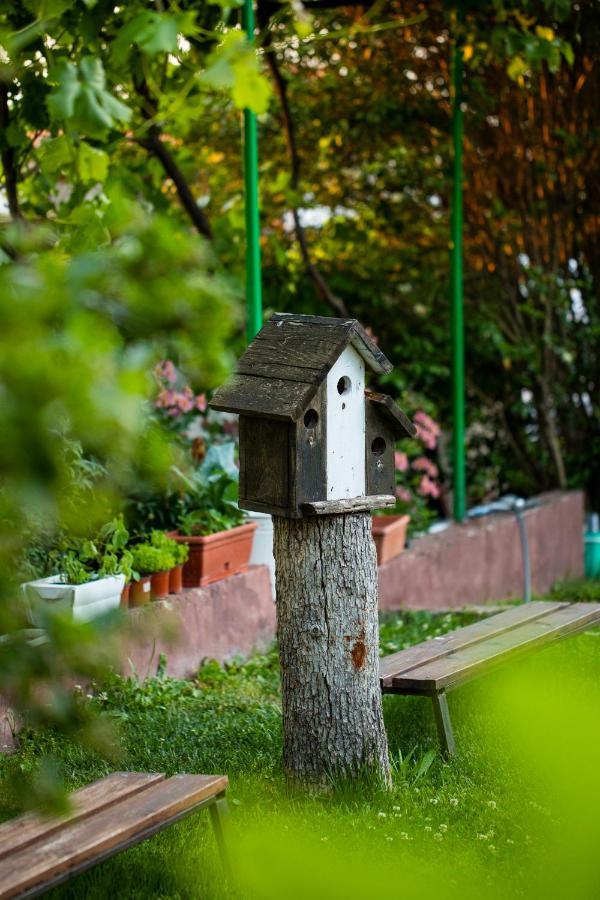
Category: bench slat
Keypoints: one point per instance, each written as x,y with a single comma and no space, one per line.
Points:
465,663
105,832
393,666
24,830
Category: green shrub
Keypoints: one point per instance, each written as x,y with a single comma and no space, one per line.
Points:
148,559
182,553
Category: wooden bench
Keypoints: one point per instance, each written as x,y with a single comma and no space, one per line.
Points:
439,665
108,816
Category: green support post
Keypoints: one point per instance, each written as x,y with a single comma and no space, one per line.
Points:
456,281
253,279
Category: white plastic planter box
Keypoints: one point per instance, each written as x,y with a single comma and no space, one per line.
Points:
262,546
87,601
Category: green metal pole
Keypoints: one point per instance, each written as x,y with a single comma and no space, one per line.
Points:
456,276
253,280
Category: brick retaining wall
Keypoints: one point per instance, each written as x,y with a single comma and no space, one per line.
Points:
480,561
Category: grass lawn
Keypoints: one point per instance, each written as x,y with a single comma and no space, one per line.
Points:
517,813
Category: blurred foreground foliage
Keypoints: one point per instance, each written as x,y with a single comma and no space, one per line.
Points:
80,334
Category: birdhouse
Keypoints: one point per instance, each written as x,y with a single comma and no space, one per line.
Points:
313,440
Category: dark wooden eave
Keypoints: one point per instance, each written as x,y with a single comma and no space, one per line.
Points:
288,360
398,420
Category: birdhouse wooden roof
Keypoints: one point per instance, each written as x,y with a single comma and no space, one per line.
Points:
282,369
391,412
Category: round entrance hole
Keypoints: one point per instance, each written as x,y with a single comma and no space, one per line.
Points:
378,446
311,417
344,385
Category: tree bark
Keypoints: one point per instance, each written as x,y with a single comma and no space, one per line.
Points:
327,627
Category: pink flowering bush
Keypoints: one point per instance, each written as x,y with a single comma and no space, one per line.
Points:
185,413
418,488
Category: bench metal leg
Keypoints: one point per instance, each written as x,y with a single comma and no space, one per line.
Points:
443,723
219,814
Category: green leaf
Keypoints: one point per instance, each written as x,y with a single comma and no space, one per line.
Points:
92,163
54,153
227,4
152,32
517,68
233,66
82,99
61,102
250,89
567,52
47,9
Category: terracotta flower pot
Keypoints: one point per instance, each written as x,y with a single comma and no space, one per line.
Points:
125,595
215,556
139,595
159,582
176,580
389,534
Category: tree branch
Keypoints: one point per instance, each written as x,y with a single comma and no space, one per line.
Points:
336,303
154,145
9,162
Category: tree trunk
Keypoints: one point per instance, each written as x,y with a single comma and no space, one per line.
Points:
327,628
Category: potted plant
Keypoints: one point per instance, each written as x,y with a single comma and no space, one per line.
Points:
179,552
116,558
213,526
182,553
120,564
389,534
79,585
153,564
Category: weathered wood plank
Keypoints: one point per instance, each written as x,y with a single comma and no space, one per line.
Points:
380,469
388,407
279,370
308,466
462,665
353,504
26,829
264,461
105,831
271,399
336,333
397,663
297,349
368,349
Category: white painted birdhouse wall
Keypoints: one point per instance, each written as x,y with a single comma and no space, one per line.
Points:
346,427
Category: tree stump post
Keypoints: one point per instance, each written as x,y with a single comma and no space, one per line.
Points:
317,453
328,633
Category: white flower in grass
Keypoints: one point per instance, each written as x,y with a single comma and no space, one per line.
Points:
381,815
397,808
482,837
404,836
438,836
492,804
443,828
428,828
453,801
434,801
